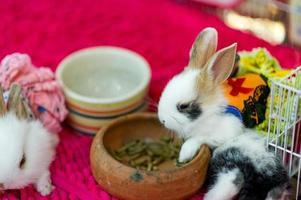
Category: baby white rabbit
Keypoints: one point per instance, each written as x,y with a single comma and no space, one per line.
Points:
26,147
193,105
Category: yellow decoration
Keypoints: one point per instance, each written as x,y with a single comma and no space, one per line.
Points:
239,89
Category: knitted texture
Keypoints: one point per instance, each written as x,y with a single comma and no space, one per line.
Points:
161,31
39,87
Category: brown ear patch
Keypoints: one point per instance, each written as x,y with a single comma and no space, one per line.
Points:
2,103
28,112
206,88
204,82
15,102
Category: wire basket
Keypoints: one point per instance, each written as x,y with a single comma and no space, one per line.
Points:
283,135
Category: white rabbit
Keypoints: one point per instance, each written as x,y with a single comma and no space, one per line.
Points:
193,105
26,147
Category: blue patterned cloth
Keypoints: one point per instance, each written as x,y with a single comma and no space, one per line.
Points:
234,111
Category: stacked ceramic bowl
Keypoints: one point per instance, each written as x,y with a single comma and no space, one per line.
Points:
102,83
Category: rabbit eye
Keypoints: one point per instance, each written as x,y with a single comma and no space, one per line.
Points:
182,107
192,110
22,162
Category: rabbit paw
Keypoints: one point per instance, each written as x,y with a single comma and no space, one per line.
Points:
43,185
188,150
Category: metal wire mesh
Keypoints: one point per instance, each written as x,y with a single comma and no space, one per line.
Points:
285,122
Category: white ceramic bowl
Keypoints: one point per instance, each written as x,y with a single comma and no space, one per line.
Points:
102,83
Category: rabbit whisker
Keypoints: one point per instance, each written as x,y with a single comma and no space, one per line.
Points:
176,120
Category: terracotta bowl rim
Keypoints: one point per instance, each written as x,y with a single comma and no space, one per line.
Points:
147,115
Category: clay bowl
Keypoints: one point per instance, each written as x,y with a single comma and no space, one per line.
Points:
168,182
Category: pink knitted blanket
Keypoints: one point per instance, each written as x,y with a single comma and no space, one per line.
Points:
39,87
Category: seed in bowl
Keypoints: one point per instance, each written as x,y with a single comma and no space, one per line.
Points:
147,155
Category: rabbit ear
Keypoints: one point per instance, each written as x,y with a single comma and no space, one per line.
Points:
13,98
2,103
221,63
15,103
28,112
203,48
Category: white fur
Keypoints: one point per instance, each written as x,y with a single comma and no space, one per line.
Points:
31,138
179,89
212,127
224,188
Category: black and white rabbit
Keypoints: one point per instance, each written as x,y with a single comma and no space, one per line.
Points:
193,105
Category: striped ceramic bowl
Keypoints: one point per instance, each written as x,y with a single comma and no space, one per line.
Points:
102,83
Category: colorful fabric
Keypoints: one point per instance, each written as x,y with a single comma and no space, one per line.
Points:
234,111
38,86
248,94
